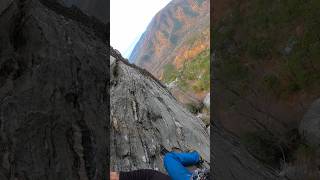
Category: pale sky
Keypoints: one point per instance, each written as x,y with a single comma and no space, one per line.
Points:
129,19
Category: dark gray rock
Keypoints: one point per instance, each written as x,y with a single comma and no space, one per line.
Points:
307,170
231,161
96,8
4,4
310,124
53,95
146,117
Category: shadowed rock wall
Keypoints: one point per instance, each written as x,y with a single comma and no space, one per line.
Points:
53,94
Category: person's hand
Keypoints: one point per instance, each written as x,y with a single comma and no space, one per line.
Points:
114,176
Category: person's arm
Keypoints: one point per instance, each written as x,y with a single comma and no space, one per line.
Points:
114,176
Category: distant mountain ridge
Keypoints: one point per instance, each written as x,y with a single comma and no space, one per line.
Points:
173,32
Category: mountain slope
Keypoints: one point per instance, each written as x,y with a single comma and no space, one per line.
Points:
177,33
175,49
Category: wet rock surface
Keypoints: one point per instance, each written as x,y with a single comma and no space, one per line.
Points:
53,94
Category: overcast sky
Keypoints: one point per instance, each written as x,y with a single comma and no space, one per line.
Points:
129,19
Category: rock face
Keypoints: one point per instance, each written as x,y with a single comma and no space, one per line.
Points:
206,101
53,93
145,117
231,161
96,8
310,125
4,4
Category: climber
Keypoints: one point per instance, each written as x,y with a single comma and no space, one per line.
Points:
174,163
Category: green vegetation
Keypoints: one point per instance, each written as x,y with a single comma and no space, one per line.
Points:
193,39
197,71
193,108
189,12
165,33
263,146
270,48
271,81
306,158
275,150
283,37
169,73
177,25
174,39
199,2
193,75
305,153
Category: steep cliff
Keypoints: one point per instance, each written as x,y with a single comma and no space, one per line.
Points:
153,120
53,91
